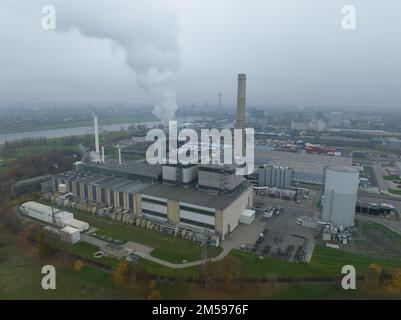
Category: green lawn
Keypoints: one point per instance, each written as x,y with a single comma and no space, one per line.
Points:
325,262
86,250
391,178
395,191
169,248
20,278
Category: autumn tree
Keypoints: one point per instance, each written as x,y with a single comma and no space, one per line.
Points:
386,277
45,248
78,265
374,274
396,281
206,274
154,295
27,234
142,276
125,273
228,274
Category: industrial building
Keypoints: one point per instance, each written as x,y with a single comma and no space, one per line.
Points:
105,191
178,174
30,185
217,203
138,171
192,200
52,216
308,168
340,194
195,209
70,235
274,176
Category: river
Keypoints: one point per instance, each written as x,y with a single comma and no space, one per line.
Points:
64,132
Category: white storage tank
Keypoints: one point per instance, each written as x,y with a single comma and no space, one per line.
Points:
340,194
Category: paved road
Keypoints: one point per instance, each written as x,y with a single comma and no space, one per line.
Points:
102,244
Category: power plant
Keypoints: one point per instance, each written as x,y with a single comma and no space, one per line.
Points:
192,198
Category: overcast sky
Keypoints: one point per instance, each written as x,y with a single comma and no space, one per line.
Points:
293,51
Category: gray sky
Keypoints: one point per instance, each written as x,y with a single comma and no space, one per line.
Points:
293,51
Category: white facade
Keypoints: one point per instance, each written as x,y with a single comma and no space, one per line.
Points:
189,174
247,216
45,213
232,214
70,235
77,224
192,213
340,194
169,173
52,216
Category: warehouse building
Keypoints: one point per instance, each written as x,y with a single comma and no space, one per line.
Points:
308,168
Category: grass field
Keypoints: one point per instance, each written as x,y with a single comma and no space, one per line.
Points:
75,124
325,262
391,178
165,247
20,277
395,191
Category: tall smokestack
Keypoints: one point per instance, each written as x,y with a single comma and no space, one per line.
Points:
102,154
96,129
241,100
119,157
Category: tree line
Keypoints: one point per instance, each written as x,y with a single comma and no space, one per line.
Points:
24,142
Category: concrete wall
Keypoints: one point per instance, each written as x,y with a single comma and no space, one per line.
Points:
231,215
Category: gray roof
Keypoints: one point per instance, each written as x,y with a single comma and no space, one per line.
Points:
191,196
300,162
132,167
116,184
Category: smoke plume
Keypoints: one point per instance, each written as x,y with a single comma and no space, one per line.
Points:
147,31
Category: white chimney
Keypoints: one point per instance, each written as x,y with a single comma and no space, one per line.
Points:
119,156
96,129
102,154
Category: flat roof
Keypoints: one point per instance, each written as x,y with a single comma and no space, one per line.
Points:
130,167
107,182
192,196
301,162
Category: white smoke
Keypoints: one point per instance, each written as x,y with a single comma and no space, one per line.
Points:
147,31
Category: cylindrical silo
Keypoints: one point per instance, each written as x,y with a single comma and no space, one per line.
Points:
340,193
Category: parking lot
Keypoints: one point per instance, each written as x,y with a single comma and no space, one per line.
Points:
278,236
